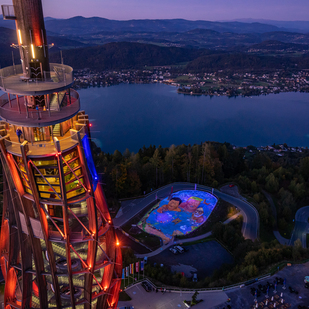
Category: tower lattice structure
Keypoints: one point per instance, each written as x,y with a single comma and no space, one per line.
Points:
58,246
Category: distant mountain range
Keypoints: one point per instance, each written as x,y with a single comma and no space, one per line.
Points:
297,26
196,38
82,25
105,44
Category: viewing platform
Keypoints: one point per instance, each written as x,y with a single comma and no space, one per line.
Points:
12,80
16,110
42,148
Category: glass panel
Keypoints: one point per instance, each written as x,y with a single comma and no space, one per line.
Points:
45,162
28,190
75,193
71,176
49,195
70,156
25,183
47,171
22,167
74,164
51,180
74,184
47,188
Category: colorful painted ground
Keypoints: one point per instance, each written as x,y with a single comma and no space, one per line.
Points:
179,214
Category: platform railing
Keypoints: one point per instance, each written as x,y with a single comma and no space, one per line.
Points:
44,146
19,112
58,74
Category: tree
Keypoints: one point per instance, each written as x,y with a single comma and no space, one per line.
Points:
272,184
156,162
170,160
194,298
304,167
297,250
127,153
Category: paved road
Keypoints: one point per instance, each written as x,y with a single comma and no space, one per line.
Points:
251,217
301,226
133,207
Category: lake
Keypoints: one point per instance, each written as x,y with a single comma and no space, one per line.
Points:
130,116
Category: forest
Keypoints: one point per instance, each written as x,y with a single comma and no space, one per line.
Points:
258,174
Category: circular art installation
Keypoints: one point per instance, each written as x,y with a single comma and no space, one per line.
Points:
179,214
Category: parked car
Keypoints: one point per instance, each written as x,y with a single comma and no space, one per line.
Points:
146,286
173,250
179,249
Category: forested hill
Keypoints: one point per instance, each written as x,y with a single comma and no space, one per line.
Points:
126,55
246,62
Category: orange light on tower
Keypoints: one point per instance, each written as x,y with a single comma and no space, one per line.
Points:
19,37
32,51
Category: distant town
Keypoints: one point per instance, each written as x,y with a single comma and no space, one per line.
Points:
212,84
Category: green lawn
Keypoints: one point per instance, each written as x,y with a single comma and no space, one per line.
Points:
123,296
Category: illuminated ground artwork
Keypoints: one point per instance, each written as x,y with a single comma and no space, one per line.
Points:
179,214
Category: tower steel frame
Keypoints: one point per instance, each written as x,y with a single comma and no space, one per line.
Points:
58,246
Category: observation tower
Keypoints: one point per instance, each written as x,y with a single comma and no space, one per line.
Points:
58,247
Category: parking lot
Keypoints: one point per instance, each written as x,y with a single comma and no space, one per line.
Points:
142,299
202,258
294,275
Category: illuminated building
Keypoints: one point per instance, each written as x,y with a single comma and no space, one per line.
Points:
58,245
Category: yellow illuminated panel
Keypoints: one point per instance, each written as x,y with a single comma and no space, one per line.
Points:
48,188
51,180
45,162
47,172
71,176
75,193
28,190
48,195
70,156
25,184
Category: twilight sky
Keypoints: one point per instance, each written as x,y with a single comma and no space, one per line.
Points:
187,9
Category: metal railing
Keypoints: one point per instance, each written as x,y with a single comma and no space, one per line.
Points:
59,74
19,113
8,11
45,146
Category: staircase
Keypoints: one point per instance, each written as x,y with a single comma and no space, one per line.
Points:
56,130
53,105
